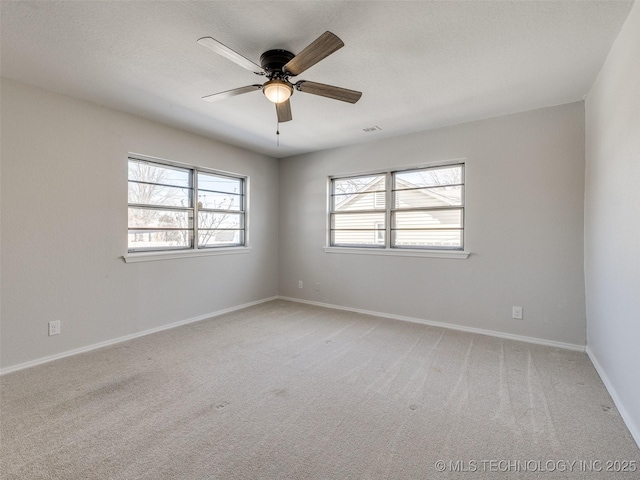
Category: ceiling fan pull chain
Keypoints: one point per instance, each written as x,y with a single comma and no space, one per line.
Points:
278,134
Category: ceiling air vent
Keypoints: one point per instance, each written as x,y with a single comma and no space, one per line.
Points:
371,129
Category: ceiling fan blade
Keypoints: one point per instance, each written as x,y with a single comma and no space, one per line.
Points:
231,93
226,52
329,91
284,111
320,48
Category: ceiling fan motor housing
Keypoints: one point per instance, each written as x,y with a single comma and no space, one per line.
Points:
272,62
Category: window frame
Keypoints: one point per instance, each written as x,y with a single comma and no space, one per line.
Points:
386,248
194,248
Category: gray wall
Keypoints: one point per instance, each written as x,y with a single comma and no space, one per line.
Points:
64,217
524,228
612,221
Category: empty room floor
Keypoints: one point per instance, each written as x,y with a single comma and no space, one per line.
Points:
284,390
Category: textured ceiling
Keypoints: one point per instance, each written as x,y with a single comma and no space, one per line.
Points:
419,64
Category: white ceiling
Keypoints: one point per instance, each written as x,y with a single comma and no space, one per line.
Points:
419,64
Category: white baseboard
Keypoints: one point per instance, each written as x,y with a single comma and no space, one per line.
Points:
451,326
88,348
628,420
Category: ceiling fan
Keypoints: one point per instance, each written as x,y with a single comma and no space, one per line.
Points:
279,66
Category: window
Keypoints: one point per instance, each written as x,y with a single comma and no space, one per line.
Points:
174,207
420,208
358,211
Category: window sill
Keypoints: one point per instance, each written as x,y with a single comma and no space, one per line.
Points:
154,256
400,252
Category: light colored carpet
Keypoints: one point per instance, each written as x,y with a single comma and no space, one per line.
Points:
290,391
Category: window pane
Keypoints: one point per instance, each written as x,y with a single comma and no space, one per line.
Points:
428,197
216,238
429,177
217,183
140,171
146,194
210,220
219,201
360,201
157,218
427,238
428,219
351,185
159,239
368,238
363,229
355,221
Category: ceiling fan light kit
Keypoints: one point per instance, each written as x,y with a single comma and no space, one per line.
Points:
277,91
279,66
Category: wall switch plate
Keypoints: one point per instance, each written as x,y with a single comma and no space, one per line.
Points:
517,313
54,328
299,283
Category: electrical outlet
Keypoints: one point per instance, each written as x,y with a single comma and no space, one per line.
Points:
54,328
299,283
317,287
517,313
